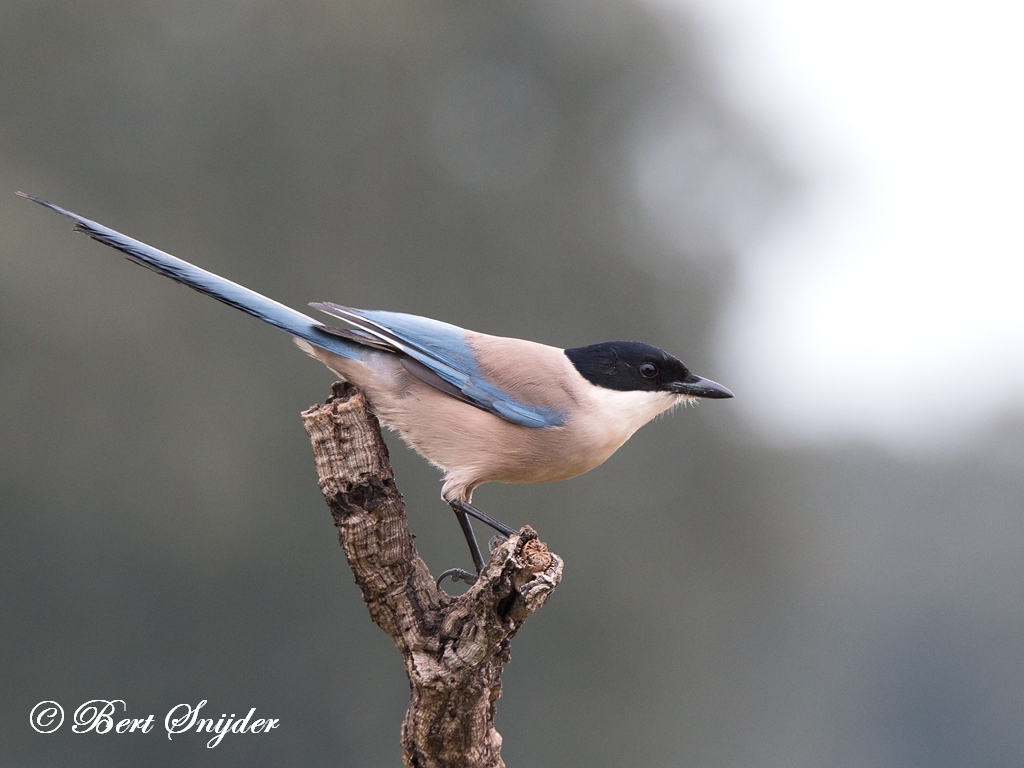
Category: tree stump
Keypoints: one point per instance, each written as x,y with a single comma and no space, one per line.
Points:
453,647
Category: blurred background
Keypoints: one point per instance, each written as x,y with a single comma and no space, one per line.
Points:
817,206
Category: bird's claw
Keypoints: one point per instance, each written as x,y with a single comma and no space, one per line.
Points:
458,574
496,541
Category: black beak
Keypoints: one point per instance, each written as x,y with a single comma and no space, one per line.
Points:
698,386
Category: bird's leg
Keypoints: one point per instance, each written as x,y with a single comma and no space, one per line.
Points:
483,517
462,511
474,550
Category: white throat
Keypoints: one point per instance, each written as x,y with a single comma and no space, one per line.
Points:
623,413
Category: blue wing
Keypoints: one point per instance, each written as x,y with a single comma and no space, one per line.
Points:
442,348
447,360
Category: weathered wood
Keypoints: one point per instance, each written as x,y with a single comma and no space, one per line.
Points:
453,647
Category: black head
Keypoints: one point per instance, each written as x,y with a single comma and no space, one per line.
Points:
629,366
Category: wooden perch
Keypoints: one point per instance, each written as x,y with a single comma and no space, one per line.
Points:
453,647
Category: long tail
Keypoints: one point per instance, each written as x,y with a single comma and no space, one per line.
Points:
269,311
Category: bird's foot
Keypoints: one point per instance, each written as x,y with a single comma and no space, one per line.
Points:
496,541
458,574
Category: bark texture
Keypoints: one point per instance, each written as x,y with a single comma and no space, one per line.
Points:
453,647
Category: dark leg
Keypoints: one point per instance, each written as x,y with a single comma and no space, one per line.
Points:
483,517
462,510
458,574
467,531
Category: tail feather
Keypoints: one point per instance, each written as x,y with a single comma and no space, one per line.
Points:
214,286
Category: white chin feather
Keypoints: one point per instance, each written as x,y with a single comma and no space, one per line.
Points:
626,412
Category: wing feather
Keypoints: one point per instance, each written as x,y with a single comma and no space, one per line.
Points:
442,349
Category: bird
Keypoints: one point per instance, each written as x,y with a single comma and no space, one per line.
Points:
480,408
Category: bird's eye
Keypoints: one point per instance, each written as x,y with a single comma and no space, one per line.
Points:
648,370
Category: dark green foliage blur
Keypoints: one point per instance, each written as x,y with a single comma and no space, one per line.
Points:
162,536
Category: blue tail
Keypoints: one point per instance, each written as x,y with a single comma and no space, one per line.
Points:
232,294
